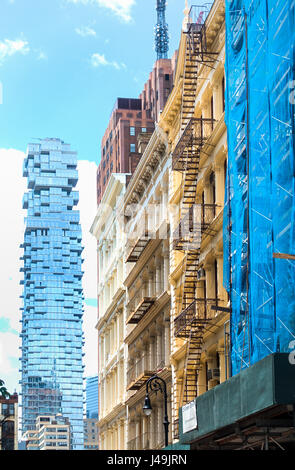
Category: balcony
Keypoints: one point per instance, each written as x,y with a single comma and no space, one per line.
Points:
142,370
190,145
135,249
139,373
198,314
193,225
138,307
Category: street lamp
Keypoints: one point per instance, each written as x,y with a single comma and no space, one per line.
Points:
157,384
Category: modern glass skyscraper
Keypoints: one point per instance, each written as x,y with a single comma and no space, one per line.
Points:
52,338
92,397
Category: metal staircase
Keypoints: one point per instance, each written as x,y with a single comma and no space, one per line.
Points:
196,53
194,313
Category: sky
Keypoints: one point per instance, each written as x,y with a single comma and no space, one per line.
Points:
63,63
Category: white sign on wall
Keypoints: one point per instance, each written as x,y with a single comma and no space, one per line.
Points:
189,417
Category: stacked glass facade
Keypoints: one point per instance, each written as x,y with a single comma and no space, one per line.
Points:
92,397
52,338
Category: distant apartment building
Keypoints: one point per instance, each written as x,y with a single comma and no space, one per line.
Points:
92,397
112,423
90,423
52,337
131,117
146,281
9,422
90,434
50,433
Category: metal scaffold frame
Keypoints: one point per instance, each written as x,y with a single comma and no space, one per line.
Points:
259,214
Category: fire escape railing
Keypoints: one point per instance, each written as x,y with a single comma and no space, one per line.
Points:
197,314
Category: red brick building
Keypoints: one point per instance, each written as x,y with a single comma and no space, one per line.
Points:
131,117
9,422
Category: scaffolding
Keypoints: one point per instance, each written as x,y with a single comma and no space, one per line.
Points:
259,212
194,314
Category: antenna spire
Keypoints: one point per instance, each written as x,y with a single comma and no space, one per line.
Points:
161,31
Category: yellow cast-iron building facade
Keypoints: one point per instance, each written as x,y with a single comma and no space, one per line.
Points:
193,118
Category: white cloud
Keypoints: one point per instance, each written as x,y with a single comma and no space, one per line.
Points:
121,8
42,56
87,206
12,187
85,31
9,48
98,60
9,364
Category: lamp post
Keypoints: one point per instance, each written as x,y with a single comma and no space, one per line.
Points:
157,384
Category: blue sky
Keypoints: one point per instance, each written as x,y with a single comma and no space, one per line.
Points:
64,62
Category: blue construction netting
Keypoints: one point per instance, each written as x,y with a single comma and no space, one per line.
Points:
259,213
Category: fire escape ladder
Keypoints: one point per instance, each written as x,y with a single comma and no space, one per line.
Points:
192,365
195,313
189,83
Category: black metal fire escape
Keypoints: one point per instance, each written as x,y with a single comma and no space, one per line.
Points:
195,313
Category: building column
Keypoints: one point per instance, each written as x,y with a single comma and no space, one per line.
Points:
158,286
217,103
210,288
110,439
119,436
166,267
211,365
221,354
144,432
221,290
159,341
167,340
164,187
220,186
118,332
202,384
153,428
157,200
137,433
144,288
207,192
101,442
150,283
150,352
160,427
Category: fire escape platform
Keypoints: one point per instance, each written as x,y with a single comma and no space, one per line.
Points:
137,383
243,410
196,316
138,249
141,309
